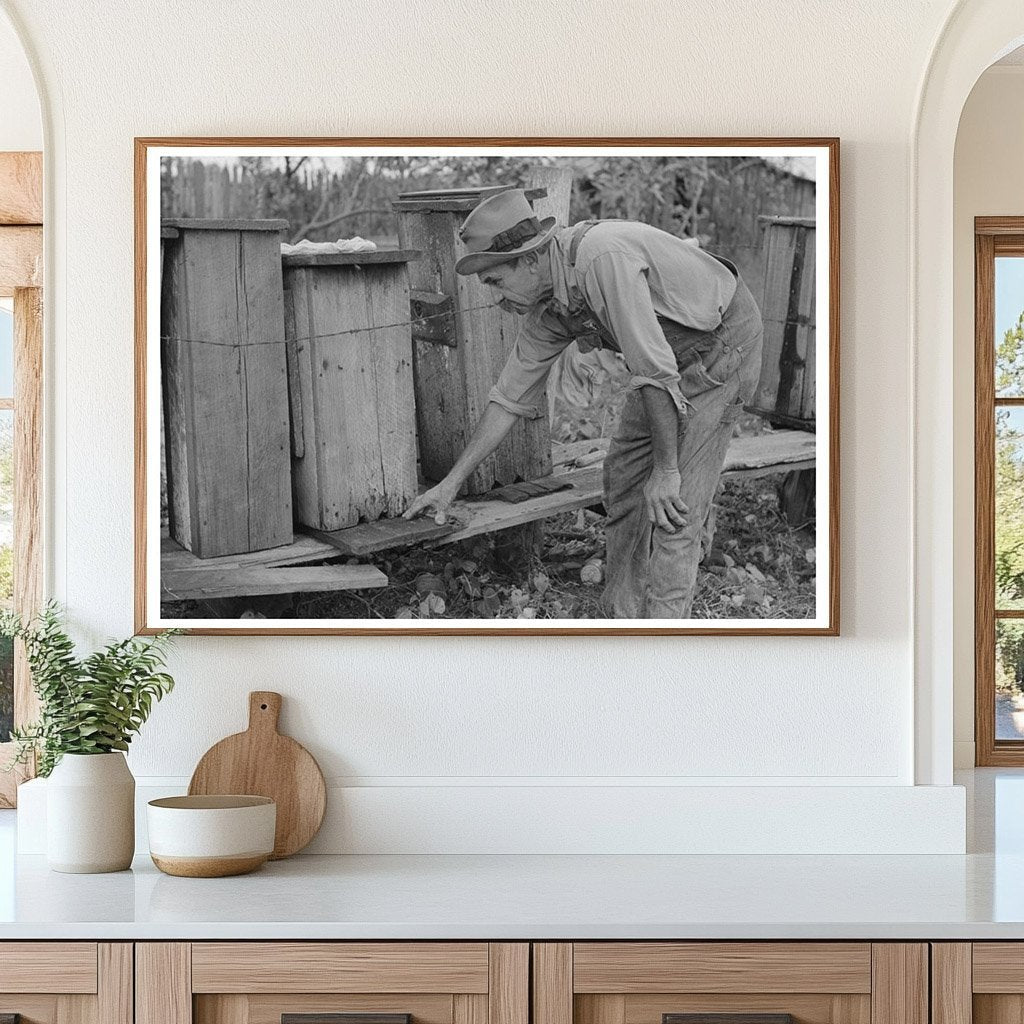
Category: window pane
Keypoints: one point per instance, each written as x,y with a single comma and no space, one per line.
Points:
1009,508
1009,679
6,353
1009,338
6,562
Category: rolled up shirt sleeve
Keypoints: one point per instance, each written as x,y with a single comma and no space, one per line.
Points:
617,291
522,382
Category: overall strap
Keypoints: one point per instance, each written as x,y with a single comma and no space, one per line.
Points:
579,230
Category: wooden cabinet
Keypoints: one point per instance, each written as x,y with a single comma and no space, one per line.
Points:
751,982
307,982
66,982
977,983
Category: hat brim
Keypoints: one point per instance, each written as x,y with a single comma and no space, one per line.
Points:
475,262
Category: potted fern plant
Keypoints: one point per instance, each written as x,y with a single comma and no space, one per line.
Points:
90,707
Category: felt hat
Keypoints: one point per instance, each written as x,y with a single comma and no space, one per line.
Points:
500,229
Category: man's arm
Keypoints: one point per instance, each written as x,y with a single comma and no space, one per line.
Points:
494,425
661,492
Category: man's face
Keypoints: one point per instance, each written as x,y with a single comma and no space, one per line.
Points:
516,285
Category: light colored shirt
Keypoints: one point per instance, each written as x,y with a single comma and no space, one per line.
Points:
626,274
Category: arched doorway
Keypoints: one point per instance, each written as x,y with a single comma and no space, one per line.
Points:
977,33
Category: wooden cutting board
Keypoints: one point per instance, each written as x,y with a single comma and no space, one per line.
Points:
262,762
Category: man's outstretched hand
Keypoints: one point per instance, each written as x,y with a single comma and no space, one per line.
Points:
438,498
664,506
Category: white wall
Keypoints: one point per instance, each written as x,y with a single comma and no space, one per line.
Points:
987,181
467,711
21,127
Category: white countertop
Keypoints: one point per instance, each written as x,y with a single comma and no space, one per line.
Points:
980,895
517,897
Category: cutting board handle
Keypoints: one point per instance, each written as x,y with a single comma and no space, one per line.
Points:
264,710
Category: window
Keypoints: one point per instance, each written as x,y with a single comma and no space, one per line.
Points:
999,490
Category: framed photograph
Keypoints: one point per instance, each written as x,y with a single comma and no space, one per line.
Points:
470,385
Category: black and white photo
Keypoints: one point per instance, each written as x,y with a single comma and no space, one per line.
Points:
407,386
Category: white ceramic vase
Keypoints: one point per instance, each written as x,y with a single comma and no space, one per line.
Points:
90,814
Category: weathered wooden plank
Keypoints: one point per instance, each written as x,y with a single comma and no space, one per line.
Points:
302,550
348,259
21,188
395,404
366,538
225,390
223,224
21,258
202,584
353,358
452,200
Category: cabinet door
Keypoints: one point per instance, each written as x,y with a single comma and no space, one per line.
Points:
332,983
981,982
66,982
730,983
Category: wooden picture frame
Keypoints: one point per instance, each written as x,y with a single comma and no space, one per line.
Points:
993,237
150,566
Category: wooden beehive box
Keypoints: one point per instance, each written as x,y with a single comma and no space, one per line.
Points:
350,362
225,387
459,356
786,391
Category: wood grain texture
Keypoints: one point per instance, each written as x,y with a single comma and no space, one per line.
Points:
269,1008
984,503
552,983
163,983
998,1009
115,996
21,188
805,1008
998,967
830,145
28,483
65,967
508,993
224,1009
21,258
599,1009
951,980
202,584
899,992
304,967
262,762
469,1008
635,967
225,389
355,391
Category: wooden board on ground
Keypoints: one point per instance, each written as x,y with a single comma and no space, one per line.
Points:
366,538
253,581
302,551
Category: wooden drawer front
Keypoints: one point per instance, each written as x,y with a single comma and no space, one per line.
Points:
998,967
312,967
721,967
56,967
648,1009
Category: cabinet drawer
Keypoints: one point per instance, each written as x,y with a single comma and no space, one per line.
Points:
332,983
980,982
66,982
730,983
67,967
